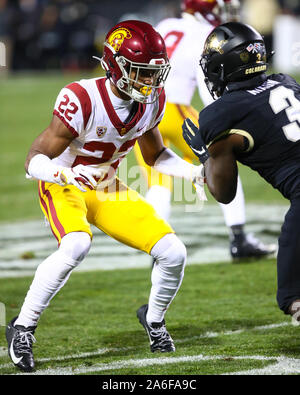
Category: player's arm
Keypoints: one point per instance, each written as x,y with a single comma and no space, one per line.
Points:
151,145
220,168
164,160
219,160
51,142
48,145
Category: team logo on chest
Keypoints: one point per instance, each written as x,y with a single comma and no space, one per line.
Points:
101,130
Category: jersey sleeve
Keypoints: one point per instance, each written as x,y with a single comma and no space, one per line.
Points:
215,121
73,108
222,118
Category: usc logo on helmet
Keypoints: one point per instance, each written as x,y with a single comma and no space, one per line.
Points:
117,38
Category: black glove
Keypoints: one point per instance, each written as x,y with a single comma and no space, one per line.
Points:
194,140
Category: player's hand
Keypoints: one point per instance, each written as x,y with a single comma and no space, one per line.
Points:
194,140
81,176
198,180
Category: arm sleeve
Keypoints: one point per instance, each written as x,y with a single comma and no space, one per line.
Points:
171,164
42,168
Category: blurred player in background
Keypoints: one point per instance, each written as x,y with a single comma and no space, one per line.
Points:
95,124
259,126
184,38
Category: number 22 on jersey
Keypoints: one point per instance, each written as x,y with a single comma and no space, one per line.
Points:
67,108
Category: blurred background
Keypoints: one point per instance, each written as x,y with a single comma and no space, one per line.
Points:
44,45
64,34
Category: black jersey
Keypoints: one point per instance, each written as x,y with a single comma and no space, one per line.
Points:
266,111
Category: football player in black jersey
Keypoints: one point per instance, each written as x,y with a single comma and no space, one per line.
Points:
256,121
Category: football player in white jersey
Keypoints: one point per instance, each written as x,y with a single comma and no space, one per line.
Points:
184,38
95,124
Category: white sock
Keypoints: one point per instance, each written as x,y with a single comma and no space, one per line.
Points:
167,274
160,198
234,212
51,275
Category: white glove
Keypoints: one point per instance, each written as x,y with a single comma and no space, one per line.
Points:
80,176
198,180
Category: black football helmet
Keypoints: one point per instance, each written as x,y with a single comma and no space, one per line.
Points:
232,52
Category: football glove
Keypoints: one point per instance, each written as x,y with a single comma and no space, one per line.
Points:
198,180
80,176
194,140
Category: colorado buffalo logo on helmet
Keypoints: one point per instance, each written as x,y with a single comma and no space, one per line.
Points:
213,43
117,38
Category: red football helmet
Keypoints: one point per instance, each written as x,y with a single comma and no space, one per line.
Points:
202,7
214,11
133,48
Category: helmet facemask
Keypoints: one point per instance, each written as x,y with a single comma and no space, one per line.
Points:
214,77
130,83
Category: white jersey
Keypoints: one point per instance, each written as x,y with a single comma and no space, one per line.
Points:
184,38
102,139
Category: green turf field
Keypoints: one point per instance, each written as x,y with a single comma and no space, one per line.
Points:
223,320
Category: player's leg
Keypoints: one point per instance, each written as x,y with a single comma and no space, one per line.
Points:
143,229
65,210
288,268
160,185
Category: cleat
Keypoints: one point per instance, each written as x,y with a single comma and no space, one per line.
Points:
159,338
20,340
294,311
250,248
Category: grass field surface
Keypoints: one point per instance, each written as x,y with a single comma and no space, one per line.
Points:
224,320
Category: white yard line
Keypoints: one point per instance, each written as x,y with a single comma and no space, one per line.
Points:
141,363
107,350
283,366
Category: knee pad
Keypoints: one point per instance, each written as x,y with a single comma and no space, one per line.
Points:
169,251
76,245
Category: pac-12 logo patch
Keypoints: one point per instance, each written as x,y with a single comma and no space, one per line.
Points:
101,130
